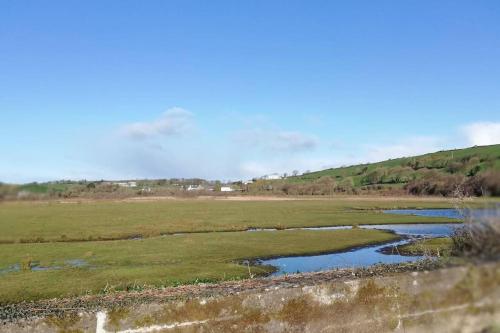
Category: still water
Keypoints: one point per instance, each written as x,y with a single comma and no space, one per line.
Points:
371,255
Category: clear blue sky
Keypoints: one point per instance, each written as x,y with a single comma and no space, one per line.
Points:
235,89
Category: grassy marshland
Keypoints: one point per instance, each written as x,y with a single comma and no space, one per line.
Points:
52,221
431,247
159,261
48,234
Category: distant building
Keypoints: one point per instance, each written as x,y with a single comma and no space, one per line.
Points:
226,189
195,188
146,190
273,176
126,184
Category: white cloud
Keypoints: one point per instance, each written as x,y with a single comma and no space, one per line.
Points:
278,141
405,147
260,149
257,168
174,121
344,154
482,133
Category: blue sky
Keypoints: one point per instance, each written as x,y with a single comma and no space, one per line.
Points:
236,89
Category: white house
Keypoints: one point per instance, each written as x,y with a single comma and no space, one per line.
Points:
195,188
126,184
226,189
273,176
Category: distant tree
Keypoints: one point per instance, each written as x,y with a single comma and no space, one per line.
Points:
375,176
286,188
346,185
295,173
217,185
454,167
415,164
325,185
474,170
161,182
360,170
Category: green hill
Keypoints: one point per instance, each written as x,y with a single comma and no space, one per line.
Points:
459,164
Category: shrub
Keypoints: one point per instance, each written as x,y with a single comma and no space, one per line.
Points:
375,176
486,183
454,167
346,185
434,183
478,239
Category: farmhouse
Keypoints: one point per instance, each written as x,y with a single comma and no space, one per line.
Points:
195,188
126,184
273,176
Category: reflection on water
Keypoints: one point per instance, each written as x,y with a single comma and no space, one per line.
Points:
418,229
364,256
361,257
371,255
449,213
36,267
10,269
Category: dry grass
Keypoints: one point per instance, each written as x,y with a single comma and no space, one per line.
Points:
479,239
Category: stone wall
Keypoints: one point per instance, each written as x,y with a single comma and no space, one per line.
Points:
461,299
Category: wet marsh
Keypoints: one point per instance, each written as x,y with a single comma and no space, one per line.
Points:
90,221
153,261
161,261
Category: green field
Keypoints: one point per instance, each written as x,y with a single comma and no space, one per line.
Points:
45,234
159,261
430,247
52,221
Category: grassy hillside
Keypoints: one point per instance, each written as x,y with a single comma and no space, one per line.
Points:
474,171
466,162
